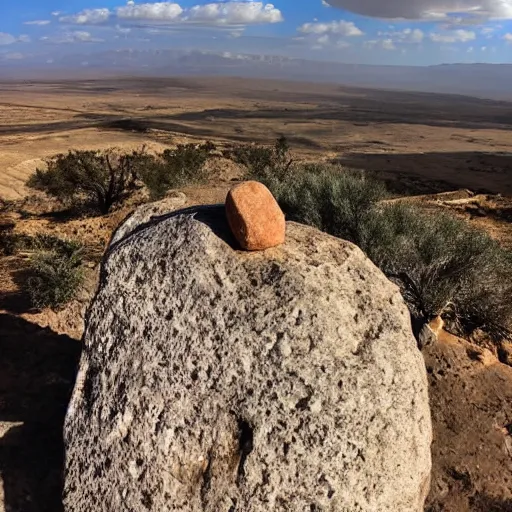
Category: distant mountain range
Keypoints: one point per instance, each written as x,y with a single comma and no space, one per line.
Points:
483,80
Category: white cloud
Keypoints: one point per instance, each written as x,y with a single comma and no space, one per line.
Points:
487,31
407,35
455,36
6,38
234,13
371,43
83,36
508,37
37,22
414,35
221,13
13,56
387,44
343,28
236,33
24,38
56,13
323,39
77,36
87,17
427,9
160,11
123,30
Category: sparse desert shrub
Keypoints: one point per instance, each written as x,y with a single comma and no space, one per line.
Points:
268,165
54,278
442,264
101,178
329,198
176,167
11,243
46,242
8,240
6,205
186,162
55,272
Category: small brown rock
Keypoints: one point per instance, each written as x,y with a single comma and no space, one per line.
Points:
254,216
505,353
429,333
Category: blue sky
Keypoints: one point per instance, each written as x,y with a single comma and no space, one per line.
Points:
419,32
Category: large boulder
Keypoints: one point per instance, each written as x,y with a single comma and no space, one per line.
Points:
217,380
143,214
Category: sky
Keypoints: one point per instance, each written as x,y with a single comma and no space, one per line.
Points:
396,32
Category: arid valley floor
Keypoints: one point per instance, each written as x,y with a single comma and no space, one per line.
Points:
448,152
442,141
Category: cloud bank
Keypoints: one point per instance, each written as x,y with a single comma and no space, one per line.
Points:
218,13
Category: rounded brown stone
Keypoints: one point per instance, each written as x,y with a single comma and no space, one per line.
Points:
254,216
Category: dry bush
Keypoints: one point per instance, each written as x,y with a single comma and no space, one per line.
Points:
329,198
443,265
55,272
177,167
54,278
106,178
268,165
11,243
100,178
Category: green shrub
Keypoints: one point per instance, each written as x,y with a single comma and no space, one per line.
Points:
329,198
101,178
269,165
11,243
54,278
53,243
54,274
176,168
442,264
